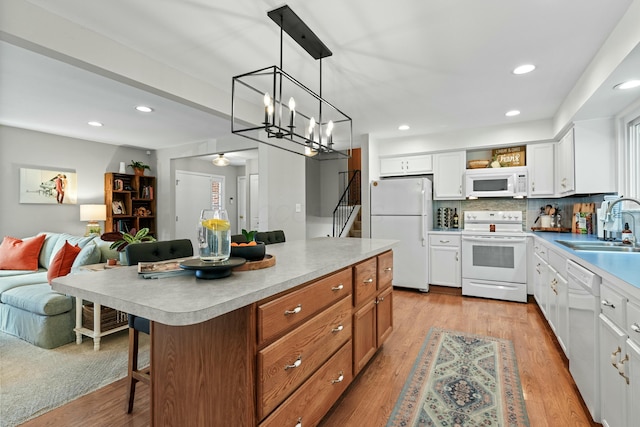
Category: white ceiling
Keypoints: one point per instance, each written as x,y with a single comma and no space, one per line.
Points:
438,66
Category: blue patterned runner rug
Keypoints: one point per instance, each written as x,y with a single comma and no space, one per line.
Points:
462,379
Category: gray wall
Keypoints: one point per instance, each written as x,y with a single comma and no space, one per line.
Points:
21,148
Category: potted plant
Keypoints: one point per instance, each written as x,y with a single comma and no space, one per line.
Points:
138,167
125,239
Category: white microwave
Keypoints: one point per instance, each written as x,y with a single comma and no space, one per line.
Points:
496,182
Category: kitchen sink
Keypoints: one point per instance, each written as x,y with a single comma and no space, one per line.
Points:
599,246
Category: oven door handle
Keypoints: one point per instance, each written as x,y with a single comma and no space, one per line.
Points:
492,239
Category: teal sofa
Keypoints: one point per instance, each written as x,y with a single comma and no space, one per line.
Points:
30,309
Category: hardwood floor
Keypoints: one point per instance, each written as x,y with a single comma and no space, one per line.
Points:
549,391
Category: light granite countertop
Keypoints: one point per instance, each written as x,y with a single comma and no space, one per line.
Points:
186,300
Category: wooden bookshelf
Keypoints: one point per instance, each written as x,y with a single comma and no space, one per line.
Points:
130,201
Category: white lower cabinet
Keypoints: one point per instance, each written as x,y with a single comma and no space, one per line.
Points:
558,315
619,355
612,384
541,273
445,268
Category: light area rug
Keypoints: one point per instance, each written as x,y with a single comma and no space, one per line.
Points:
461,379
34,380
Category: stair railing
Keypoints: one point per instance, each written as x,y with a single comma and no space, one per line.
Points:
349,199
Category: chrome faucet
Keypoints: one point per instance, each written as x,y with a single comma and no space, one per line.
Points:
621,199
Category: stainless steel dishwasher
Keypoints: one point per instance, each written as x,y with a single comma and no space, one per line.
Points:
584,342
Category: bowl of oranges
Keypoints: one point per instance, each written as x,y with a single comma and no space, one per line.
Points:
251,251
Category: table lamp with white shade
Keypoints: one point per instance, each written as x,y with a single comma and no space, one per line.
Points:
93,214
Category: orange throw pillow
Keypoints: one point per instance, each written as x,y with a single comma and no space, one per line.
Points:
62,261
16,254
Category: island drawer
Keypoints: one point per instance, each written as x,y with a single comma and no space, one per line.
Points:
385,270
280,314
289,361
316,396
364,281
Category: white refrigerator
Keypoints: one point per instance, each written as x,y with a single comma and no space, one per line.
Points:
401,209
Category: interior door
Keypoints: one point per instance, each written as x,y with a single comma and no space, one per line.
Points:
242,204
193,193
254,204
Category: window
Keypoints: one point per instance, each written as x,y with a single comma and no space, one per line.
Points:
217,192
628,163
633,158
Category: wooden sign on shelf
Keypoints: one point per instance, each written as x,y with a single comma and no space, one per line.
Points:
511,156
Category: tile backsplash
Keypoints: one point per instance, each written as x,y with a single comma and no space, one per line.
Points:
530,208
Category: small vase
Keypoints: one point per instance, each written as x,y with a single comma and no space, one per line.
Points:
123,258
214,235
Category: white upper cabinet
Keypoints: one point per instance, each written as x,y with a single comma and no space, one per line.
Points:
585,158
448,175
565,172
406,165
540,162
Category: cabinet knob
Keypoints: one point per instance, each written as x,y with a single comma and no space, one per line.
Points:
607,304
339,379
295,364
338,288
338,329
296,310
367,281
388,269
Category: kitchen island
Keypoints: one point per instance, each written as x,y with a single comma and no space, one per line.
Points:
206,334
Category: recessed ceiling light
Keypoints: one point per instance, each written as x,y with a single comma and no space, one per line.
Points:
96,124
628,85
144,109
512,113
403,127
524,69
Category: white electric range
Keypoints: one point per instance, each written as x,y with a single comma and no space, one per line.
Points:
494,255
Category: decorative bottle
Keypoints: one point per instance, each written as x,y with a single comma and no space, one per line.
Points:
456,219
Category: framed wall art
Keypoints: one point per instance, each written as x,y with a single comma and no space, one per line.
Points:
48,186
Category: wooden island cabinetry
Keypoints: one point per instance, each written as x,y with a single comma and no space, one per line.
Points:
302,373
373,316
268,347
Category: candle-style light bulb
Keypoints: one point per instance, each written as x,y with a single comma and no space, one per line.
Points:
292,112
330,133
312,128
267,103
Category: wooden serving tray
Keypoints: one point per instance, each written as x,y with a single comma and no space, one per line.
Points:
556,229
266,262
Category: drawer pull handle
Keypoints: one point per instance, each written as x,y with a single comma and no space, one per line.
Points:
635,327
296,310
368,281
295,364
339,379
444,241
380,300
621,368
614,357
607,304
299,423
338,329
388,269
338,288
